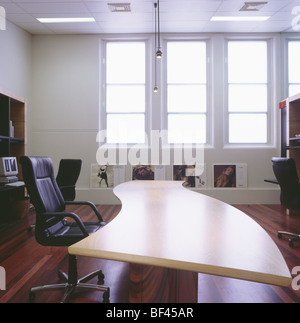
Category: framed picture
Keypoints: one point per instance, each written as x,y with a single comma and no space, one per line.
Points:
230,175
191,175
102,176
143,172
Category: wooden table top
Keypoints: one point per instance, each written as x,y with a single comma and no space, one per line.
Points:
161,223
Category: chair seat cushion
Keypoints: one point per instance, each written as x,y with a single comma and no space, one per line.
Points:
70,233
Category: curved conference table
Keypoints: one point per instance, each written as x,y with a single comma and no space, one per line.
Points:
169,234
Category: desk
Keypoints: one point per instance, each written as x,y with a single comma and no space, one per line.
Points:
181,233
9,196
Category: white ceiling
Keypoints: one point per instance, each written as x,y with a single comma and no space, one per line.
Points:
176,16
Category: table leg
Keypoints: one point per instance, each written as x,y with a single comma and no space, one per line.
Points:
149,284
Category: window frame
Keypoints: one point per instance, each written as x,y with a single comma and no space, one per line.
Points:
103,88
208,113
270,97
288,84
156,114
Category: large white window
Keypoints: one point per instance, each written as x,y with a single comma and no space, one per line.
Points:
247,90
294,67
125,97
186,91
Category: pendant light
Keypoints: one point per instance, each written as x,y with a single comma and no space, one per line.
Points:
158,49
158,52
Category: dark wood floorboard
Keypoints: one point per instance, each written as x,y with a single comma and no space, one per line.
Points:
28,264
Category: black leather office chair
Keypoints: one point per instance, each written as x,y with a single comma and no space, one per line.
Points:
287,177
52,228
67,176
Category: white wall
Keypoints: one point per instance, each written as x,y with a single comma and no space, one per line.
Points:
64,112
15,61
64,116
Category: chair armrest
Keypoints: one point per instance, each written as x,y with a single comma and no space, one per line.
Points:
67,188
92,205
75,217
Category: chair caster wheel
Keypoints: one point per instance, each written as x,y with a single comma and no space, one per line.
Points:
106,297
279,235
31,297
291,244
101,278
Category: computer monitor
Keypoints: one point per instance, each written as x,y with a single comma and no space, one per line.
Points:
8,166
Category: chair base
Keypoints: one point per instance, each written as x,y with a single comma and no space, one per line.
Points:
71,283
296,237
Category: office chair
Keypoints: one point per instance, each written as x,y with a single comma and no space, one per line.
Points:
52,228
287,177
67,176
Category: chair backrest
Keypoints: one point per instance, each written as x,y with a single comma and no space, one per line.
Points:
38,175
68,172
286,174
67,176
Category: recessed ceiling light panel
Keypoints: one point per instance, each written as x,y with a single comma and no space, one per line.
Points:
64,20
119,7
240,18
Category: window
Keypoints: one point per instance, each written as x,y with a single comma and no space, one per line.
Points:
294,67
247,91
186,91
125,92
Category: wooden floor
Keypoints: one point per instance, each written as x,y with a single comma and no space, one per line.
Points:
28,264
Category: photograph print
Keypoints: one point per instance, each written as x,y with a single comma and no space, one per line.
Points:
143,172
102,176
230,175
